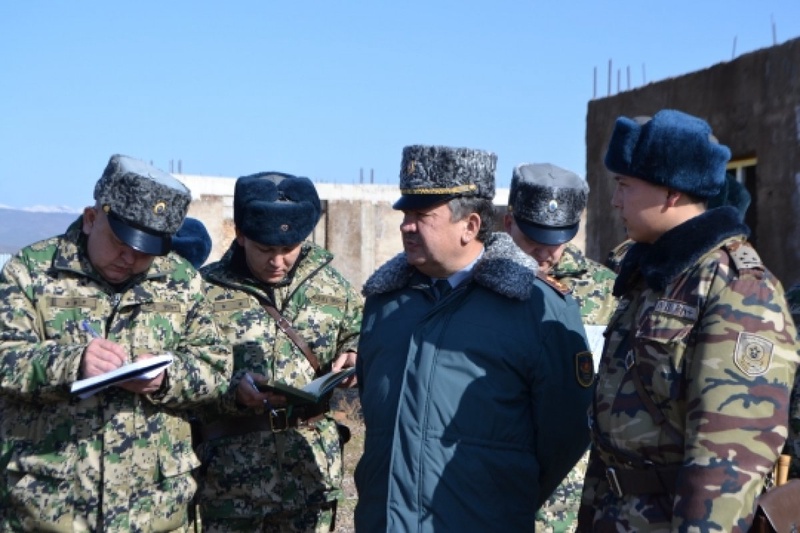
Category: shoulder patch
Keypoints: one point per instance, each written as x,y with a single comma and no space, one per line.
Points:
584,369
554,283
753,354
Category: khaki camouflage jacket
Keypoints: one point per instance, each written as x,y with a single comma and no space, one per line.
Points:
115,461
591,283
703,331
793,442
304,465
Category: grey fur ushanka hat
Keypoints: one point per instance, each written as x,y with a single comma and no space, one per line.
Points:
145,206
431,175
547,202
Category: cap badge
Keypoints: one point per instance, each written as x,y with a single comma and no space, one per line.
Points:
412,165
552,206
284,227
159,208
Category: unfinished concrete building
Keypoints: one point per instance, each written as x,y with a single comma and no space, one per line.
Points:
753,106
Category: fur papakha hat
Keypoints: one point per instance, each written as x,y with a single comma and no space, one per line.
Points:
276,209
547,202
673,149
431,175
192,242
145,206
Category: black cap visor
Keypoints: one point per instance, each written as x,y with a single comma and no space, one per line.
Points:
547,235
413,202
139,238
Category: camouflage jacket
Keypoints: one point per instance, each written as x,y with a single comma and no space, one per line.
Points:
304,465
704,328
68,463
793,442
591,283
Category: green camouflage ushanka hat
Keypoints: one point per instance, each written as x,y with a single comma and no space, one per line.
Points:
145,206
547,202
431,175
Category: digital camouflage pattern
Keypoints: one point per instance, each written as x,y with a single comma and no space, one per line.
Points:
139,192
590,282
715,350
793,442
116,461
264,474
591,285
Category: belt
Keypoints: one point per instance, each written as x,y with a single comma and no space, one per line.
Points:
653,480
276,421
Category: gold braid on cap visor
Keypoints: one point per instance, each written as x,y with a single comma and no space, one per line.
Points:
449,190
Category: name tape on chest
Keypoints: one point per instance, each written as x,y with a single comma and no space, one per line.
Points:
676,309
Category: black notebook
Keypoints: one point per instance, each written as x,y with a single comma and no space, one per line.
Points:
311,393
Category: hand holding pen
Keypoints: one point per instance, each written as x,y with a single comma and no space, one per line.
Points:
248,394
100,355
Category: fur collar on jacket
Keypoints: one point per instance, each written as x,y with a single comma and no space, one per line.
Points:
679,248
503,269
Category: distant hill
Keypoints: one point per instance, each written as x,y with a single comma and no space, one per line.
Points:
18,227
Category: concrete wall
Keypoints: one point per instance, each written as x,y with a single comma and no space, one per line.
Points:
358,224
753,106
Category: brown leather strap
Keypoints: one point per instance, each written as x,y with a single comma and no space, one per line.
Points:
276,421
287,328
656,414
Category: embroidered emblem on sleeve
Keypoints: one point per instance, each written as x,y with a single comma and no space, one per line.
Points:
753,354
584,369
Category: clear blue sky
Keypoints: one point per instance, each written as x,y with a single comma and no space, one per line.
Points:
325,88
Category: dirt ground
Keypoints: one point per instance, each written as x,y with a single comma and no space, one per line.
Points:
349,409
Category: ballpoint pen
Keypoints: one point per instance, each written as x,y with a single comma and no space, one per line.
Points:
87,327
252,383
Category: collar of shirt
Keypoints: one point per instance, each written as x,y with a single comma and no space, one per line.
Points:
457,278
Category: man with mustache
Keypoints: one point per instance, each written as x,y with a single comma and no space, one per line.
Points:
474,374
82,304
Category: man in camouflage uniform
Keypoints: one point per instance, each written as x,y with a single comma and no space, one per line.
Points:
79,305
691,404
792,447
267,466
545,204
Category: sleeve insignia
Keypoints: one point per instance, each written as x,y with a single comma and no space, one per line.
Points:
753,354
584,369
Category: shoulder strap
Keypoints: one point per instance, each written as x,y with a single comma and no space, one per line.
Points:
287,328
652,408
559,287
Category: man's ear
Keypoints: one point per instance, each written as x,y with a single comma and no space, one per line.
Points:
673,197
89,218
508,221
472,225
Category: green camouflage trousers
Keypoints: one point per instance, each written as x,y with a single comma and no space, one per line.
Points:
559,514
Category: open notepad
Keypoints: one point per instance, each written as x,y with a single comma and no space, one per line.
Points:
144,369
310,393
